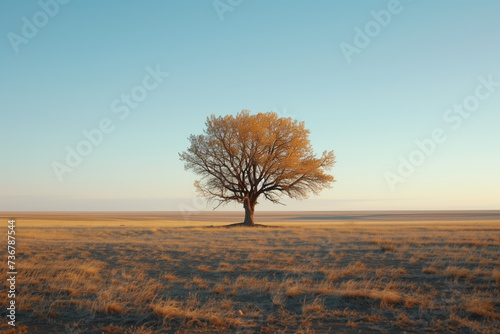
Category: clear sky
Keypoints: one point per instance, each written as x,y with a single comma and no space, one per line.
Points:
368,78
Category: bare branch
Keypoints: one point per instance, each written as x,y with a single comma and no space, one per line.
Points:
242,157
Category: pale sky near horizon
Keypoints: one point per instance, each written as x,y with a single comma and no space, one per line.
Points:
66,68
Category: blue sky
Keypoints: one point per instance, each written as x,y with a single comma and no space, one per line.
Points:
282,56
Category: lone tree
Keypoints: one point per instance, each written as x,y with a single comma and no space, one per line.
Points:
241,158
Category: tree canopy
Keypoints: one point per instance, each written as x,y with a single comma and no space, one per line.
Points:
243,157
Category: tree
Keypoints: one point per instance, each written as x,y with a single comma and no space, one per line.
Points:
242,157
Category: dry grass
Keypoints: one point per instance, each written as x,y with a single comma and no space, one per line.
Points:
170,277
204,268
294,290
373,290
316,306
454,271
496,275
431,270
481,306
304,279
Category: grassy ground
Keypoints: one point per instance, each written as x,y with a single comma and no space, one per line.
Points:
343,277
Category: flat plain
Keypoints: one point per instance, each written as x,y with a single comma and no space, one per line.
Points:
308,272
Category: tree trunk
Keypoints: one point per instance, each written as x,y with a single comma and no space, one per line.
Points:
249,209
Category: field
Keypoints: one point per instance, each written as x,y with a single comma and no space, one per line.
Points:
305,273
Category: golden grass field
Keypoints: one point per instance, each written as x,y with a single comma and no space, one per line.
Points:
310,272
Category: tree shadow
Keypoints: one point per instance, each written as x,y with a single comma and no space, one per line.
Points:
244,225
